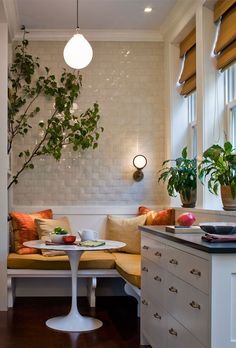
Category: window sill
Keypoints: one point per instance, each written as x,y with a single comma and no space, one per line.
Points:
208,211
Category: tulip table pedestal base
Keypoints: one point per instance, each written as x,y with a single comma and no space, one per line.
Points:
74,321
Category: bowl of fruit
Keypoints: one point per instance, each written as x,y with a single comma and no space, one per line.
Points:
58,234
69,239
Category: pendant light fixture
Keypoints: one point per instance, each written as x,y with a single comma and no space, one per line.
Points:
78,52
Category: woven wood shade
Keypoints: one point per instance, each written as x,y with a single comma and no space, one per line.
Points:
187,43
189,86
225,45
221,7
188,53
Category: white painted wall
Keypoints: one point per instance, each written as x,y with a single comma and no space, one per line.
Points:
127,80
4,165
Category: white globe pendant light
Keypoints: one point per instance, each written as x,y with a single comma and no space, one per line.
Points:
78,52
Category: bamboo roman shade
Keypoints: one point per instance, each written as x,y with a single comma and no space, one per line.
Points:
188,75
225,48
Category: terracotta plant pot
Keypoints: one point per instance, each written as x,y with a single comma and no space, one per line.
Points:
191,202
229,203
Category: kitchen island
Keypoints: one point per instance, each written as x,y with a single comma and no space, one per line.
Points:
188,291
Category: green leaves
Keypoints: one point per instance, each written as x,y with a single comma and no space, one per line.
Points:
27,86
219,167
180,178
184,152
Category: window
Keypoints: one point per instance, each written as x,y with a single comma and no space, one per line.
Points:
192,121
230,102
233,110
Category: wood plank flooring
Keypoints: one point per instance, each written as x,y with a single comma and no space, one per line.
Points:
24,325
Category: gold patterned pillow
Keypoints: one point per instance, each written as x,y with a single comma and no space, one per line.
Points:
126,230
46,226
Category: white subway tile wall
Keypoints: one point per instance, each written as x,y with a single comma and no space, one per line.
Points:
127,80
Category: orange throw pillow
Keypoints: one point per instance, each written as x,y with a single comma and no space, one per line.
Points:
162,217
24,229
143,210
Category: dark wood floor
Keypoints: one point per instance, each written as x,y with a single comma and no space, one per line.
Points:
24,326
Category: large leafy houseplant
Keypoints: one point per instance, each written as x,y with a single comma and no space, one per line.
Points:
219,167
181,178
30,86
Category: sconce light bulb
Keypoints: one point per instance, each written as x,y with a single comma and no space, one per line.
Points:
139,161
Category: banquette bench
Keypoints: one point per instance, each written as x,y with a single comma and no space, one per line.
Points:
96,264
93,265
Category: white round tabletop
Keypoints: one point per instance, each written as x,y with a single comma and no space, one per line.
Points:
39,244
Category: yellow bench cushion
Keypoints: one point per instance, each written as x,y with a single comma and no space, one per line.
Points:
129,267
89,260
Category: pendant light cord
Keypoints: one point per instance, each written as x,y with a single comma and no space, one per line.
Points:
77,15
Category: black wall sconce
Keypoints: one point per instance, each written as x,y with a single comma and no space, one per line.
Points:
139,162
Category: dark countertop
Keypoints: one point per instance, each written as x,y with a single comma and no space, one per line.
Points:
192,240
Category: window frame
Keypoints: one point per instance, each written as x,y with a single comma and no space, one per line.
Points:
230,101
192,125
231,126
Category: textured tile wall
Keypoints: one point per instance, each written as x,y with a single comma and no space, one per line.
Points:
126,79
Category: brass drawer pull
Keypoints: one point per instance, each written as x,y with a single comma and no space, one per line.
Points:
145,247
157,316
157,278
157,253
145,269
173,289
195,305
173,332
173,262
195,272
144,302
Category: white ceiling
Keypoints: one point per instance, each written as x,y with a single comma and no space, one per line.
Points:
99,19
93,14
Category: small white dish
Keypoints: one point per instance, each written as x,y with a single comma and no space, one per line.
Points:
57,238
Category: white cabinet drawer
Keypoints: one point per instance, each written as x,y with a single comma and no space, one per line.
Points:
156,283
158,325
153,280
179,337
154,251
146,318
189,306
145,272
190,268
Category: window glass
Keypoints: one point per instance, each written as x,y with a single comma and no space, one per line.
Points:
230,101
233,115
192,142
230,83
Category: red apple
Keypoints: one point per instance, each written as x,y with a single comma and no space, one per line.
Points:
186,219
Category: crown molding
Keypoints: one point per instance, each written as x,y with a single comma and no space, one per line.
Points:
181,17
91,35
12,16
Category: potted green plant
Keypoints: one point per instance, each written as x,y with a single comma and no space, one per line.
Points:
219,167
181,178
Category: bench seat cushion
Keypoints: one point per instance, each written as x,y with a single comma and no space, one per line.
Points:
129,267
89,260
